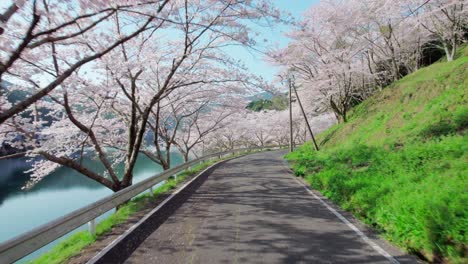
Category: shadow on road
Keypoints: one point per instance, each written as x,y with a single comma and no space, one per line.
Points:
249,210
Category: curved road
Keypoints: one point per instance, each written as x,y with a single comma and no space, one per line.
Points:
252,210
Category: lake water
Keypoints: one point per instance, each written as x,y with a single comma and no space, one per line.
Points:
62,192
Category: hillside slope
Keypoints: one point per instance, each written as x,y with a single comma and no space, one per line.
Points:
400,163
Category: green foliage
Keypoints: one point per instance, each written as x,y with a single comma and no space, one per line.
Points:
441,128
416,195
406,111
258,105
67,248
460,52
276,103
460,117
400,162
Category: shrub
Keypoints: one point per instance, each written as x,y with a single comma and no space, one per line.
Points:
441,128
461,118
415,195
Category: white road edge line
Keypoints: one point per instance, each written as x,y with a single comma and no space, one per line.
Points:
371,243
133,227
350,225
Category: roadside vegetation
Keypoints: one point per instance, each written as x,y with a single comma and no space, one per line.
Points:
400,162
278,103
72,245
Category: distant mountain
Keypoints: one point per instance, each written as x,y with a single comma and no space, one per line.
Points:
12,96
264,95
271,102
5,84
15,97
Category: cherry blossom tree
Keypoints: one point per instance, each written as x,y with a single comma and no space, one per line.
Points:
103,111
184,118
44,42
197,128
343,51
263,129
326,54
165,123
447,21
229,136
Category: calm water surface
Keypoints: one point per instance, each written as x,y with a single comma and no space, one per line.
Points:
56,195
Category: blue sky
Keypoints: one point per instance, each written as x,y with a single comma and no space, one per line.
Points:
254,60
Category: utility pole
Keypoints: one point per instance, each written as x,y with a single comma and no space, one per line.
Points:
291,144
304,114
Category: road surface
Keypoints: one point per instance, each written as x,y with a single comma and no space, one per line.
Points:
252,210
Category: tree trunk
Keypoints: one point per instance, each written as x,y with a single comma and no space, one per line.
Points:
339,114
449,52
119,187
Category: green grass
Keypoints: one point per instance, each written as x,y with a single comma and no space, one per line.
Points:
405,110
400,163
75,243
279,102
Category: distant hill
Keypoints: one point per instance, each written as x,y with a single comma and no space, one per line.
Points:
264,95
15,97
279,102
12,96
5,84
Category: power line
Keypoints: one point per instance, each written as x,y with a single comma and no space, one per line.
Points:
397,24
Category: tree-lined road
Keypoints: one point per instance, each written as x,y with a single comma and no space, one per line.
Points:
252,210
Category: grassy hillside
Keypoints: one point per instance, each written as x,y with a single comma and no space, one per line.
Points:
400,163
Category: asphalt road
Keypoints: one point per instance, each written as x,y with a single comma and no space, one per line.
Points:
252,210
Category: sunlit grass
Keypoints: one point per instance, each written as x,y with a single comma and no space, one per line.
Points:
400,163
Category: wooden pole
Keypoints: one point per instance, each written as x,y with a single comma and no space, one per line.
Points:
305,117
290,118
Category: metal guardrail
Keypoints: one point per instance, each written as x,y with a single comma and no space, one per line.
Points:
26,243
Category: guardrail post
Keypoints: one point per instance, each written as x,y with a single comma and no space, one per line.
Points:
175,177
151,191
92,226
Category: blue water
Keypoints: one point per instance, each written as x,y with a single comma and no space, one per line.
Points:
62,192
